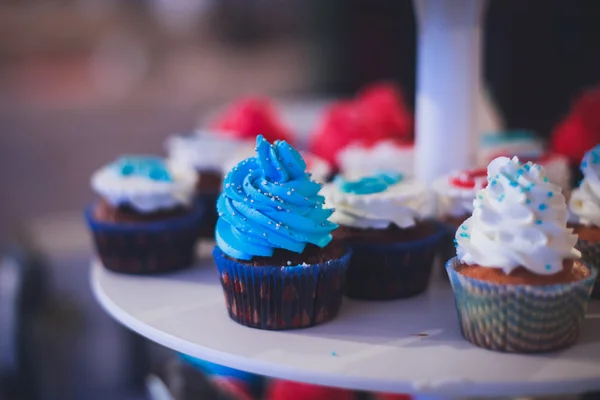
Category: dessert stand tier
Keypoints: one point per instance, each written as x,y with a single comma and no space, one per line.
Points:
402,346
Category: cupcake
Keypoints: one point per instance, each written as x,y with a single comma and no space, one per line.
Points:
585,210
455,194
206,152
381,218
518,283
278,265
146,220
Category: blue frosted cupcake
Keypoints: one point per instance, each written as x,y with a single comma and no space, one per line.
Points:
517,280
381,218
146,220
278,266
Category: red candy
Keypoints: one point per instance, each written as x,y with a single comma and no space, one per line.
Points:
470,179
286,390
378,113
580,130
250,117
383,103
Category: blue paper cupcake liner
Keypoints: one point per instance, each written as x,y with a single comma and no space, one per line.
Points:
590,254
282,297
208,202
394,270
146,247
519,318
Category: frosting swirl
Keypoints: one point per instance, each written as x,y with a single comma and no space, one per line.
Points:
269,202
376,202
358,160
146,183
519,220
585,200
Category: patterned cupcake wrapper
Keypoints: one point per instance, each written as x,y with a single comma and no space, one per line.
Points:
146,247
519,318
282,297
208,202
590,254
392,271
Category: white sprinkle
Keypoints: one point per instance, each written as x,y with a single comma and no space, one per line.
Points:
279,208
289,263
251,200
245,199
289,193
270,223
227,185
264,234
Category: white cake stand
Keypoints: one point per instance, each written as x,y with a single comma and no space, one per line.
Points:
404,346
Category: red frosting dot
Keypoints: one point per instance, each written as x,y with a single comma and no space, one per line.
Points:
286,390
470,179
249,117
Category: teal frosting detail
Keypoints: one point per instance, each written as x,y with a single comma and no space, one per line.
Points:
153,168
498,138
591,159
368,185
269,202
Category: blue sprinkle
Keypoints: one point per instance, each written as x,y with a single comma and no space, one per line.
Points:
528,201
527,167
494,182
501,197
465,235
542,207
584,164
333,354
545,179
548,267
550,194
480,197
464,227
513,184
539,222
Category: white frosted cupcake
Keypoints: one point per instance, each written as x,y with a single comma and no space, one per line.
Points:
146,220
382,218
517,280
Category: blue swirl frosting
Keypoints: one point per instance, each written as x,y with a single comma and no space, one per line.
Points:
368,185
153,168
269,202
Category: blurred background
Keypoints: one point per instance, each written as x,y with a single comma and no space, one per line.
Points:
82,81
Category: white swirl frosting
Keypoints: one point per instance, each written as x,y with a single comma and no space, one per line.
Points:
520,219
401,204
585,200
143,193
204,150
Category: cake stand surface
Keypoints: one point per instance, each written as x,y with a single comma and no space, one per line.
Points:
404,346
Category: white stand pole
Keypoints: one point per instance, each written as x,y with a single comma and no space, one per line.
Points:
448,82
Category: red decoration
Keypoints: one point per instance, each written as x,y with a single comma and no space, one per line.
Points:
250,117
580,130
378,113
383,103
286,390
470,179
388,396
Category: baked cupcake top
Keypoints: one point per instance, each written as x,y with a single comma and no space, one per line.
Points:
269,202
457,191
585,200
145,183
520,220
203,150
376,201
